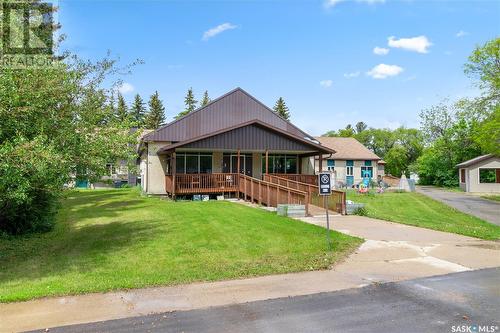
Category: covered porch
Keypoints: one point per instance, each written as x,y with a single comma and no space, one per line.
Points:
218,172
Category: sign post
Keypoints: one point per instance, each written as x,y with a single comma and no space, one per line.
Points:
325,189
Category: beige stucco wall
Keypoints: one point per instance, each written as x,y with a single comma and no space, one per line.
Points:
472,176
307,166
217,162
155,169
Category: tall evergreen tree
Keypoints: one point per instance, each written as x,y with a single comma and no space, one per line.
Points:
138,111
121,109
360,127
205,100
190,103
281,109
156,115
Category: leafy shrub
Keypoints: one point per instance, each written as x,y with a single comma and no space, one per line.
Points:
32,175
360,211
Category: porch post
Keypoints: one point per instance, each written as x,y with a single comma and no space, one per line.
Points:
238,174
320,162
238,163
299,166
174,172
267,162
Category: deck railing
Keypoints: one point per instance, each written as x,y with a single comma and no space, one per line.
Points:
263,192
202,183
271,194
336,201
308,179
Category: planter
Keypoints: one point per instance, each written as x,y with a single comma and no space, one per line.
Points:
291,210
352,207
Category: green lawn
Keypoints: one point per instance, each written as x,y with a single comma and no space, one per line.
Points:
493,197
116,239
421,211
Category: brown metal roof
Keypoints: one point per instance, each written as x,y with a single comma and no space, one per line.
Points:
252,135
232,109
347,148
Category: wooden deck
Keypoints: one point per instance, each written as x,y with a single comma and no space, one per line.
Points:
270,191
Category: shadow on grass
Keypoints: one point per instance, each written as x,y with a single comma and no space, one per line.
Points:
74,246
81,249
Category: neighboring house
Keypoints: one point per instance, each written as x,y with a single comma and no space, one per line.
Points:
480,174
350,163
212,150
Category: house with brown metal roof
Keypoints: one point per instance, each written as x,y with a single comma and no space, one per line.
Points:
227,148
351,162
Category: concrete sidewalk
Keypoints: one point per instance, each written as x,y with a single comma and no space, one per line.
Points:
392,252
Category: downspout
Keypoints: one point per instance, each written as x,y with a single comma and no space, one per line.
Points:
147,167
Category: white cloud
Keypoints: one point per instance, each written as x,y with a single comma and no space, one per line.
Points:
125,88
217,30
332,3
383,71
380,50
326,83
418,44
352,75
461,33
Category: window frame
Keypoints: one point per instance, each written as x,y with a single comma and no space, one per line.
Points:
364,167
182,156
497,181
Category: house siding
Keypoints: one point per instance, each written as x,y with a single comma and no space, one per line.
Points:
250,137
341,169
472,177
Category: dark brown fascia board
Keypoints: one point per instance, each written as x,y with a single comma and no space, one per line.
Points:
145,138
251,122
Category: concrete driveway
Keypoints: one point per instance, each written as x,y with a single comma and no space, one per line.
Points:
484,209
436,304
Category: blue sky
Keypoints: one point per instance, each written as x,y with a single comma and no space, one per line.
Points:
318,55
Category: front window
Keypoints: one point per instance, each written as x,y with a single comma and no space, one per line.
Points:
489,175
330,165
280,164
193,163
366,172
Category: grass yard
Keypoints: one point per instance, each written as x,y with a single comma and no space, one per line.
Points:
116,239
419,210
492,197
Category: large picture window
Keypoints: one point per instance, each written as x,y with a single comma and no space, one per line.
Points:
193,163
280,164
489,175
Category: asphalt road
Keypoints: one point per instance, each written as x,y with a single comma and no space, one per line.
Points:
484,209
434,304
